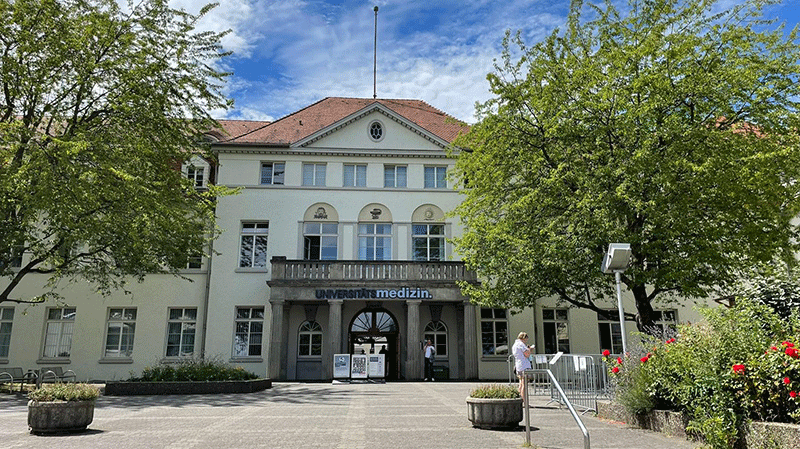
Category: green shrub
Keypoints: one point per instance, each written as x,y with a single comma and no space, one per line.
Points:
193,370
740,364
65,392
495,391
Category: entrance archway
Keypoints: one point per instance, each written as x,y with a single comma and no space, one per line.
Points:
373,331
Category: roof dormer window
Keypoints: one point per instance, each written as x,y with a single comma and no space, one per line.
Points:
376,130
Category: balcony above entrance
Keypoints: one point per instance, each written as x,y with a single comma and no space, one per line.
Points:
360,274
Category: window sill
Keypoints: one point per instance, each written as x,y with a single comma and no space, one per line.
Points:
53,362
246,360
3,361
251,270
112,361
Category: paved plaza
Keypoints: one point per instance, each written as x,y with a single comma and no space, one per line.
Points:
319,415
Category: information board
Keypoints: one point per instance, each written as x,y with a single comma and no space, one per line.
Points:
358,366
341,366
376,365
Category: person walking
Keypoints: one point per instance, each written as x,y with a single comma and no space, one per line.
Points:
429,353
522,352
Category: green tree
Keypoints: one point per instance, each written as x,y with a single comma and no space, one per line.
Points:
670,126
99,107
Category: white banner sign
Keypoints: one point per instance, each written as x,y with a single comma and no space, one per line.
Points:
376,365
358,366
341,366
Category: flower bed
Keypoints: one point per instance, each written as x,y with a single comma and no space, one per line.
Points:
757,435
123,388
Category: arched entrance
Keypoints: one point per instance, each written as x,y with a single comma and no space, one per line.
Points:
373,331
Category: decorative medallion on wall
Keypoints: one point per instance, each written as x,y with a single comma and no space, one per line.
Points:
429,214
321,214
376,213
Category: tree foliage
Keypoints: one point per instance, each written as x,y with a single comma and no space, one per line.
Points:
99,106
670,126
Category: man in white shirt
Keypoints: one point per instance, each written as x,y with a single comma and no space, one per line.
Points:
429,353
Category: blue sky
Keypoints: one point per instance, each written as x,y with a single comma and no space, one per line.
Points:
288,54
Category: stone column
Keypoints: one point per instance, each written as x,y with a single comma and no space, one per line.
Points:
470,342
413,350
334,336
276,342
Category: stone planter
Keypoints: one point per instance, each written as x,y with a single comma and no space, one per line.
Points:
59,416
494,413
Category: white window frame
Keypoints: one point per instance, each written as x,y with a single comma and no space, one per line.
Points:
354,175
428,240
248,332
392,176
608,327
369,235
6,328
122,319
277,173
327,234
59,329
559,322
253,235
312,330
436,332
494,324
435,177
197,175
184,326
314,174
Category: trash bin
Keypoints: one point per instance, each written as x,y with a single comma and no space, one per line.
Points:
441,372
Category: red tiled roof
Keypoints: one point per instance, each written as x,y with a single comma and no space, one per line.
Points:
307,121
234,128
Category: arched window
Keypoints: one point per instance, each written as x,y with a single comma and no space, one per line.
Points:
321,232
436,332
374,322
309,339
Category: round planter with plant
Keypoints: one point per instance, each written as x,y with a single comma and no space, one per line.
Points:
494,406
61,408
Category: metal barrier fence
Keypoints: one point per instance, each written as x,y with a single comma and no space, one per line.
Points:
584,378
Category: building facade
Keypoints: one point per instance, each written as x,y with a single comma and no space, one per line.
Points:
338,242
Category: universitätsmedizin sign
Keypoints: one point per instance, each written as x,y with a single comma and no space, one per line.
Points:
373,293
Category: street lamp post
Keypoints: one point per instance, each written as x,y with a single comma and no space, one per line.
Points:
616,261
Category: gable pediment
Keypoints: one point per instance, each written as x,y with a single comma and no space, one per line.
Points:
353,133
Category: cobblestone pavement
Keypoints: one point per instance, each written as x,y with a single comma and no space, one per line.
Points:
318,415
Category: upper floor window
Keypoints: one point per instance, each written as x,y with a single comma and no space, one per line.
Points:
494,331
120,329
309,339
435,177
395,176
195,261
58,332
320,241
197,175
376,130
556,330
253,245
272,173
314,174
375,241
428,241
355,175
6,322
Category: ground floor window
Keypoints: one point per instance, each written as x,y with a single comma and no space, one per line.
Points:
120,329
6,322
309,339
494,331
436,332
556,330
249,330
609,330
181,327
58,333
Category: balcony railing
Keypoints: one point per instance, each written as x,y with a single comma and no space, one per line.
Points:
364,270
